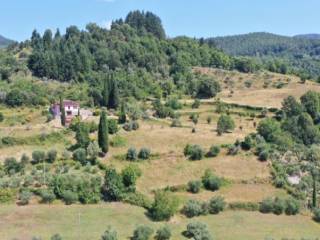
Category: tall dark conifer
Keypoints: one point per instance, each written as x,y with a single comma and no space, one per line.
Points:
114,94
62,113
122,115
105,93
103,132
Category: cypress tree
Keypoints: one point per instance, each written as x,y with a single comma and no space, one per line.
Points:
62,113
103,132
314,192
114,95
122,115
105,93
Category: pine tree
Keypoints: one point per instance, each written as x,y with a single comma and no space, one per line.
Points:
103,132
62,113
122,115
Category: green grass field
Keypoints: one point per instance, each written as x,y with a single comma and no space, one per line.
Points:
89,222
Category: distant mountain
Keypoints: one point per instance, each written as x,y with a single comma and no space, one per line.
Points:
4,42
301,53
314,36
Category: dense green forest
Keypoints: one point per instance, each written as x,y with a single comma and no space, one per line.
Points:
301,54
136,59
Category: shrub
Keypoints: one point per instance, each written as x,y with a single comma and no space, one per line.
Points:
56,237
248,206
24,197
225,123
80,155
193,208
264,155
130,174
11,166
292,206
210,181
233,149
194,186
266,206
164,206
69,197
247,143
176,123
109,234
278,206
209,119
216,205
196,104
173,103
132,154
47,196
38,156
7,195
316,214
142,233
163,233
24,159
1,117
137,199
112,126
194,118
198,231
195,152
52,155
144,153
213,151
131,126
113,188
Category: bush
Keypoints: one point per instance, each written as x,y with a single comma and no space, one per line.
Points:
47,196
196,104
137,199
292,206
80,155
278,206
112,126
193,208
225,123
264,155
163,233
69,197
213,151
24,159
52,155
11,166
142,233
209,119
109,234
24,197
38,156
247,143
131,126
164,206
56,237
130,175
173,103
144,153
198,231
266,206
132,154
194,186
195,152
1,117
7,195
176,123
216,205
248,206
316,214
210,181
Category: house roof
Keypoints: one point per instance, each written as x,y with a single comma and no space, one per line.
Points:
69,103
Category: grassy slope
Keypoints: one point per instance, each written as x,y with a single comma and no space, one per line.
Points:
25,222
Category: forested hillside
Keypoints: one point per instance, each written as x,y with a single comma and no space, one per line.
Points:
4,42
300,54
